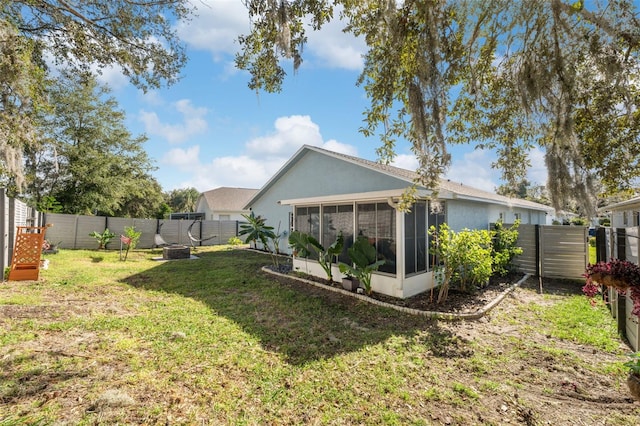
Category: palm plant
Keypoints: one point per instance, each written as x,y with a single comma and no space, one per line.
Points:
303,243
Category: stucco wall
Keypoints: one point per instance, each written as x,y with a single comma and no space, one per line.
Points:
317,175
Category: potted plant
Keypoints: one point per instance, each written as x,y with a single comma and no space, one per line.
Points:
349,282
364,257
633,379
622,275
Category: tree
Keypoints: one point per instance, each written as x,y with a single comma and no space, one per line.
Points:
89,162
135,36
183,200
20,98
83,36
502,74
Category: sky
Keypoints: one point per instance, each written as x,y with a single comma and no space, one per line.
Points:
210,130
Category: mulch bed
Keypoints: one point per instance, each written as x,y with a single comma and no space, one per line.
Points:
456,302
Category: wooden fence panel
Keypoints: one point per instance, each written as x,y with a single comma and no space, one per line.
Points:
564,251
527,240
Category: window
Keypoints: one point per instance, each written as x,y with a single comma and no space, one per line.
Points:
517,216
625,220
636,219
415,245
336,219
225,217
308,220
377,222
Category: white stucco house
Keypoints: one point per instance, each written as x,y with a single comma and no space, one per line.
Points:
224,203
323,193
624,214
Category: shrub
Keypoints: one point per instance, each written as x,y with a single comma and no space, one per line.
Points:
103,239
465,257
504,247
234,241
133,235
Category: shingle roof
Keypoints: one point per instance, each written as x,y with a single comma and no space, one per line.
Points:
459,189
228,199
445,184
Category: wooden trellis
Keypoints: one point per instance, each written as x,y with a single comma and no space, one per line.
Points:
27,251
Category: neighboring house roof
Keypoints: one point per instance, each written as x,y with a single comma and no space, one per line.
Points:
458,190
622,205
226,199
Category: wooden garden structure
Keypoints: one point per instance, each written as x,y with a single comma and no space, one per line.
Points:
25,263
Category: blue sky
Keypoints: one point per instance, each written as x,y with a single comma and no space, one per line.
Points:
210,130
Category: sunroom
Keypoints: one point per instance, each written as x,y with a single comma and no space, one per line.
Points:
401,239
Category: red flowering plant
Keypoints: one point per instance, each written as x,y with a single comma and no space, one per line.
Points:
622,275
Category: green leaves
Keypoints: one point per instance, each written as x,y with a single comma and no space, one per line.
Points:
363,255
256,229
303,244
465,257
103,238
504,75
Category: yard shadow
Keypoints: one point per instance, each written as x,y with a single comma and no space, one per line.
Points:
302,322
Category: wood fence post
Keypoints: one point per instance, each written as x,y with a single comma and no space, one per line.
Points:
621,243
601,245
538,249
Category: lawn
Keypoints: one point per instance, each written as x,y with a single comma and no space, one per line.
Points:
216,341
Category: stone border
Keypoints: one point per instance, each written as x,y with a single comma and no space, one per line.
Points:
428,314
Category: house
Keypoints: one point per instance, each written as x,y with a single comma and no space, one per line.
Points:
325,193
224,203
624,214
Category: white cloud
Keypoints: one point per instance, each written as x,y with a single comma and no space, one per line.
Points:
405,161
342,148
183,159
335,48
290,134
111,76
262,158
193,122
216,27
219,23
537,173
474,169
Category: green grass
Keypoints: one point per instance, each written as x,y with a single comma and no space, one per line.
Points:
215,340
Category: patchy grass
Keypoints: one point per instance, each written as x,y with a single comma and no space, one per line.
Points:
215,341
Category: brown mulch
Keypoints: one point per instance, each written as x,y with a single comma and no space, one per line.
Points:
456,302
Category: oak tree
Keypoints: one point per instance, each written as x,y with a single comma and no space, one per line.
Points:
501,74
